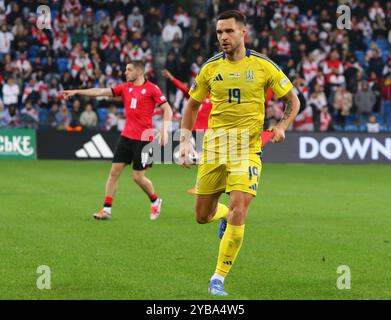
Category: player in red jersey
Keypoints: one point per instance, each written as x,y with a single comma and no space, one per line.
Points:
140,97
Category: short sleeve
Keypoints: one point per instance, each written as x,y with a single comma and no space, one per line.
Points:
117,90
158,96
278,81
199,89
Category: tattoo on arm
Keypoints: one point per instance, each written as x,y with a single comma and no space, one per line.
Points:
288,106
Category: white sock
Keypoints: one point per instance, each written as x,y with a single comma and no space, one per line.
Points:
107,209
218,277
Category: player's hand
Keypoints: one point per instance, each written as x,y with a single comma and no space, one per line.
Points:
279,134
163,137
167,74
68,93
185,151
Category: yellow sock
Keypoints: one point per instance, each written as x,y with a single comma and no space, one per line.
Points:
222,212
229,248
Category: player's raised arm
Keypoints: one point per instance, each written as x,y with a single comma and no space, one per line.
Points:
167,116
92,92
292,106
187,125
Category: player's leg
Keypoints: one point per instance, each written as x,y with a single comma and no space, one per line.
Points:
147,186
141,162
211,182
209,209
242,184
122,156
110,189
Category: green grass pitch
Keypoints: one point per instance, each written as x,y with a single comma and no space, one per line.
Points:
305,222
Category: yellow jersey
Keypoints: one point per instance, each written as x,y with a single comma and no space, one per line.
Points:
237,90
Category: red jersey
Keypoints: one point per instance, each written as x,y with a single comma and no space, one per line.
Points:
204,110
139,104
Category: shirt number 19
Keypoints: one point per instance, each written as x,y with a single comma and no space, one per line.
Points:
234,94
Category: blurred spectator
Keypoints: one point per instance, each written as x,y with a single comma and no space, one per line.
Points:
153,28
53,119
111,121
75,114
50,70
80,64
29,116
63,117
182,19
109,38
325,119
274,110
23,65
304,120
11,93
365,100
14,116
89,118
317,101
343,103
4,117
62,43
372,125
135,16
6,38
170,32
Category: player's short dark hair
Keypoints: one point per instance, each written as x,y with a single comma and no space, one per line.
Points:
236,14
138,64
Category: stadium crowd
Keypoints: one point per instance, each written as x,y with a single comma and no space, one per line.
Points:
342,76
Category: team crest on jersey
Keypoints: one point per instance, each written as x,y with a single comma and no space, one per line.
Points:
249,75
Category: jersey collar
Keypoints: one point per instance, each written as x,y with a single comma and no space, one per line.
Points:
248,53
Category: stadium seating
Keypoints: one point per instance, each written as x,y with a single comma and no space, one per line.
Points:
62,64
360,55
33,52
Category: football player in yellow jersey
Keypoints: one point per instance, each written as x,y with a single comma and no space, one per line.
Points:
236,80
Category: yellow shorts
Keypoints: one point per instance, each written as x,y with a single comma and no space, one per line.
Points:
243,176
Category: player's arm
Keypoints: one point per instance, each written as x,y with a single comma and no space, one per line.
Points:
188,121
92,92
292,107
177,83
167,116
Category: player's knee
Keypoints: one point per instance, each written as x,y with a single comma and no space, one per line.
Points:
238,214
202,216
202,219
137,177
115,173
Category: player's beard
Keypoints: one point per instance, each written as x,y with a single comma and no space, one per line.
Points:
232,48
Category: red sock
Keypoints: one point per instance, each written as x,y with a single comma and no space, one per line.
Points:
108,201
152,197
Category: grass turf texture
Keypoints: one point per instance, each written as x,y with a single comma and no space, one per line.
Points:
306,221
